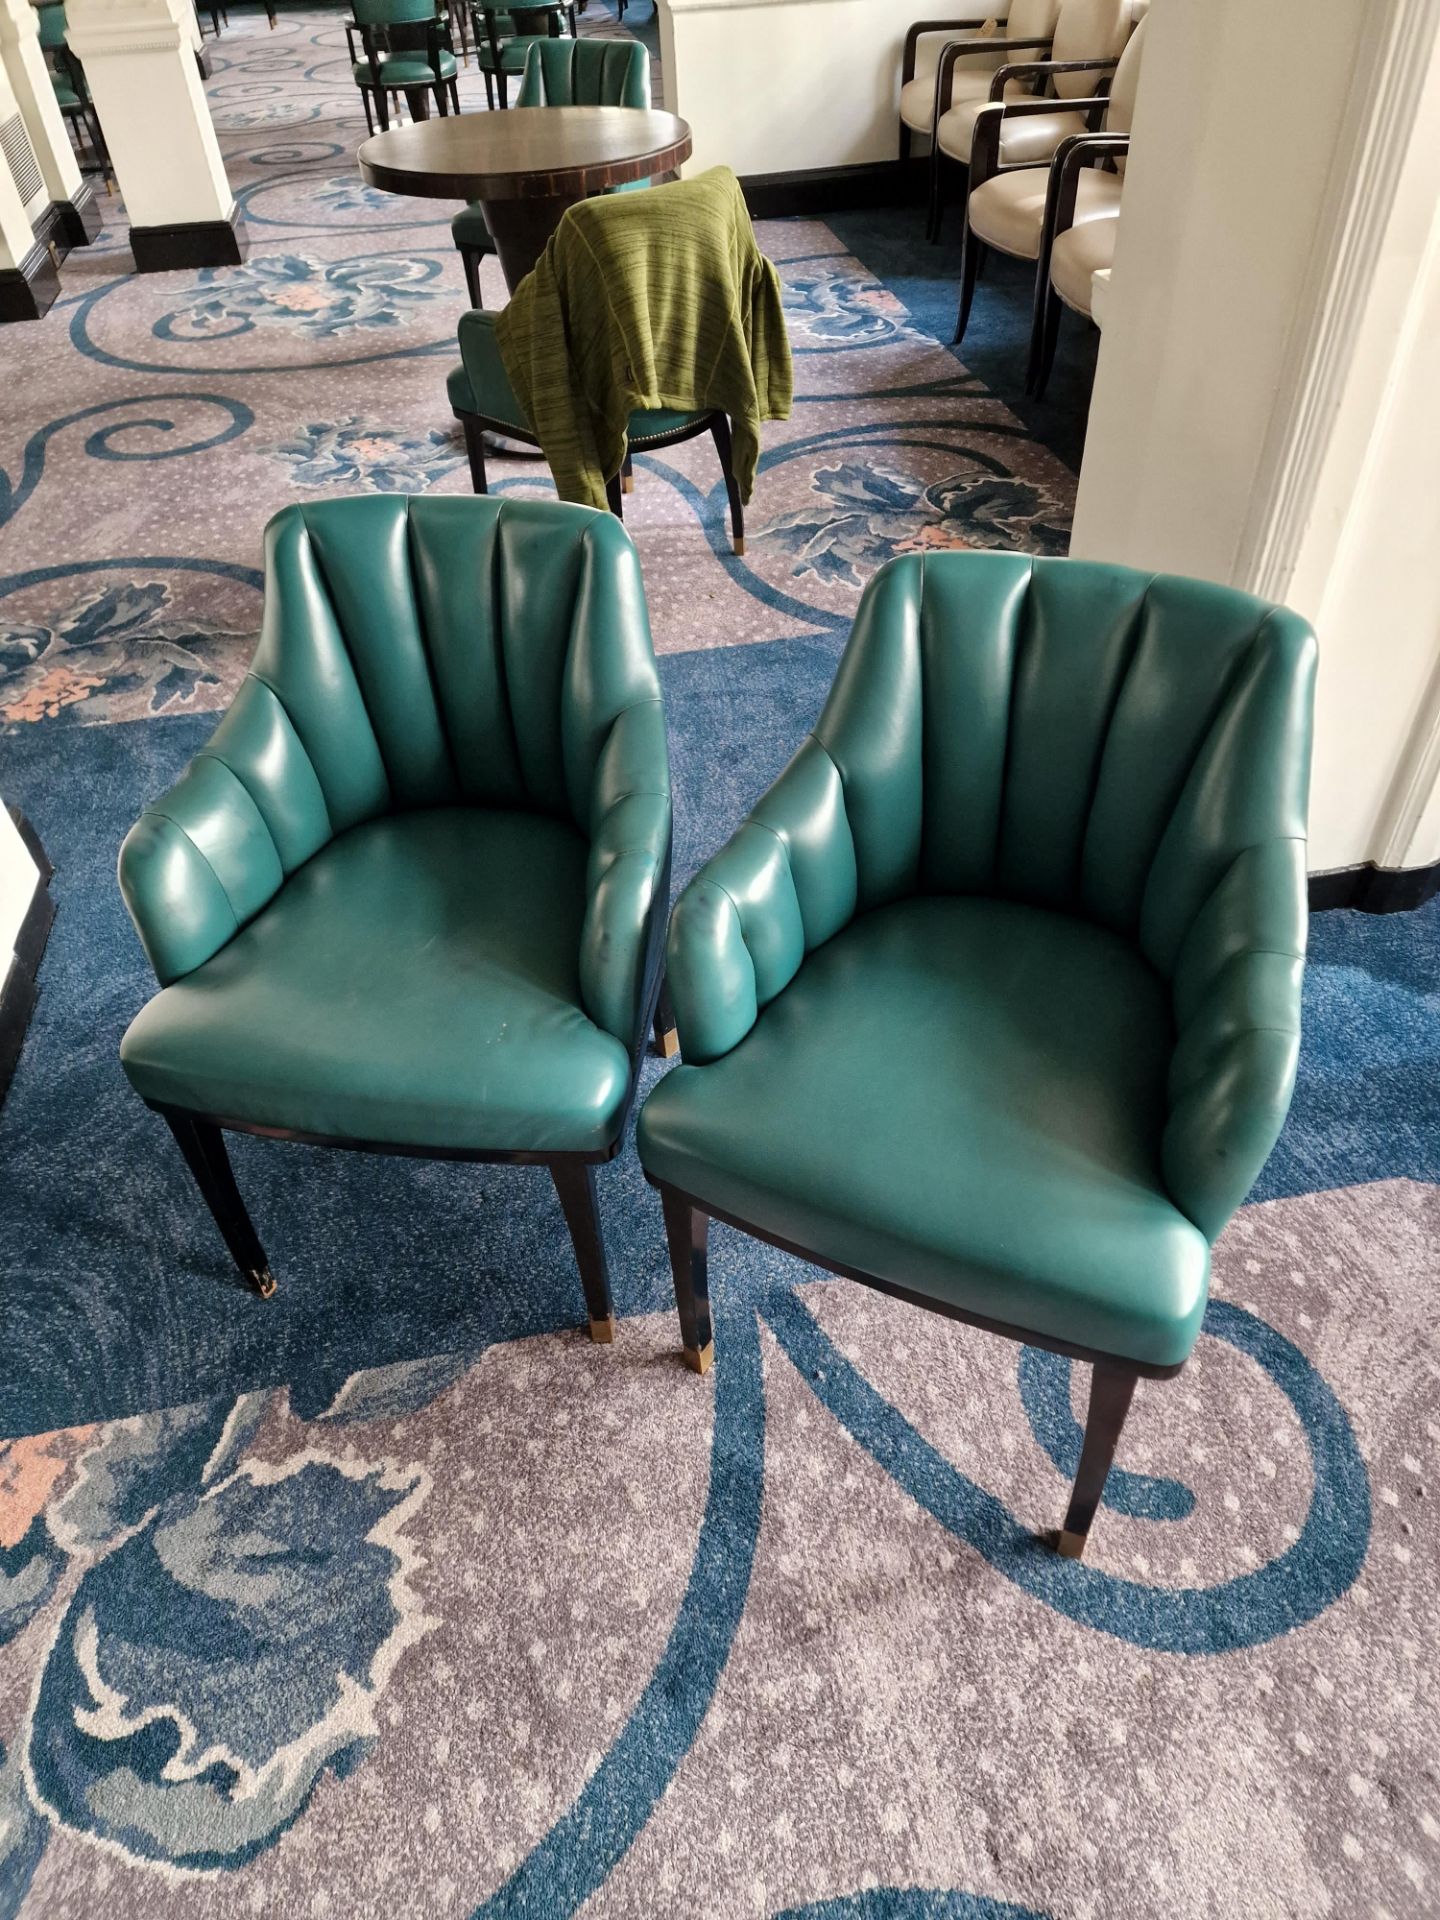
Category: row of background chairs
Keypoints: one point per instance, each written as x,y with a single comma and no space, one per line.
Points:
1036,145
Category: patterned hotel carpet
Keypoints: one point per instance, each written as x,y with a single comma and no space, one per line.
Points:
396,1596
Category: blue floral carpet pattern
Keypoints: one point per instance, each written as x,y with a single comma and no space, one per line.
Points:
394,1595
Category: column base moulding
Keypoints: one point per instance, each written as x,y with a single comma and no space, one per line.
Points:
29,290
821,190
194,243
70,223
18,989
1372,889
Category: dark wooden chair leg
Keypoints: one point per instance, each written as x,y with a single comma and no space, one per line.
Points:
203,1146
687,1231
627,473
470,258
575,1184
489,89
475,451
667,1041
454,97
972,252
935,212
613,498
369,117
1043,347
1111,1390
720,433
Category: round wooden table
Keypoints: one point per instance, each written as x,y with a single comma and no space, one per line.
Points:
526,165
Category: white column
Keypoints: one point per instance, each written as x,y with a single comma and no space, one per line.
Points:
1266,410
35,96
140,63
28,280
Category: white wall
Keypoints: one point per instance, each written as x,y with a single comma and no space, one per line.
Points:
780,86
1267,403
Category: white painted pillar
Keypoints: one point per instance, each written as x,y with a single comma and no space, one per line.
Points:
76,216
29,282
139,59
1266,408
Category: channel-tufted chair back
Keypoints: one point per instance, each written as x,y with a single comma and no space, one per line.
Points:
415,653
1068,735
585,73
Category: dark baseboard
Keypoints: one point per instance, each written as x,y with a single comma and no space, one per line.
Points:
31,289
70,223
771,196
202,61
19,990
1372,889
196,243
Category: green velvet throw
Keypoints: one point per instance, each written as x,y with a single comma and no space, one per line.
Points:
643,301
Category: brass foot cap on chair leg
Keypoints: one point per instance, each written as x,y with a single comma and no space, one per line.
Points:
627,483
262,1280
602,1332
740,546
701,1359
669,1045
1070,1545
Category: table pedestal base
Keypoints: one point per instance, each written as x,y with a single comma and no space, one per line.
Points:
521,227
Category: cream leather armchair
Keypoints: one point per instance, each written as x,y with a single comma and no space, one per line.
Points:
1087,39
972,49
1030,210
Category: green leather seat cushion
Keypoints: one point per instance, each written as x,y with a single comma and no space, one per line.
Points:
65,94
964,1097
404,70
468,228
416,982
481,385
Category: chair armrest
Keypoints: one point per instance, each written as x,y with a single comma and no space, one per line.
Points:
920,27
990,120
203,860
782,886
1237,991
1042,69
959,50
626,876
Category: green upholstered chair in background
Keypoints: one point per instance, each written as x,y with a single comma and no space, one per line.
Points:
410,897
561,73
994,1001
72,93
404,48
504,34
483,400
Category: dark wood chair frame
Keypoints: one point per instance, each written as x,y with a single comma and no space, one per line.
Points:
950,55
218,13
430,37
476,425
1112,1383
907,63
526,20
985,164
201,1140
82,117
1040,76
1080,150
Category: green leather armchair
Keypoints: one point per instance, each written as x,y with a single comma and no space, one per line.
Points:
405,47
993,1003
560,73
409,899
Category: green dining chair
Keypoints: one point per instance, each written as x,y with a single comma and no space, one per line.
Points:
561,73
483,401
994,1001
504,34
409,898
72,91
404,48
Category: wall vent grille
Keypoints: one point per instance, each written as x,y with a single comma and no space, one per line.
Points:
20,158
